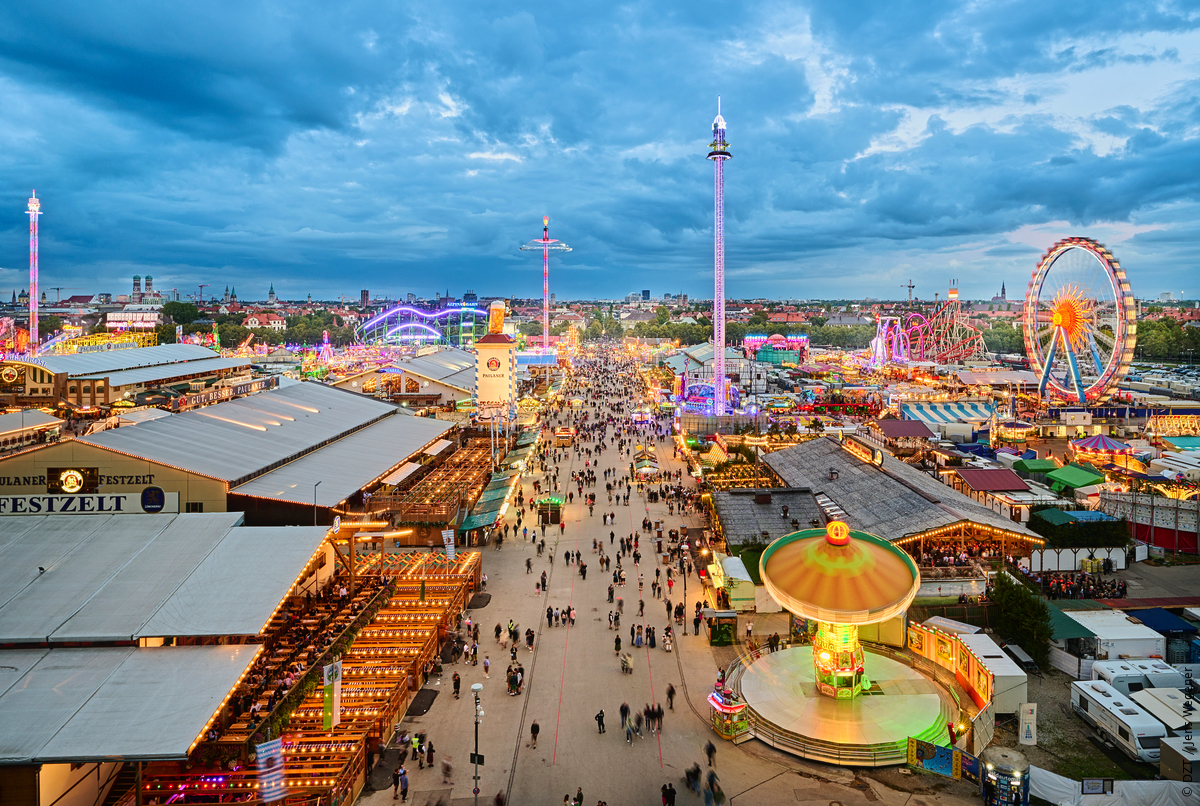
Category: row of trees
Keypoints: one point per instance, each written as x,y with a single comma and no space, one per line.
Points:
308,329
854,337
1167,340
1022,617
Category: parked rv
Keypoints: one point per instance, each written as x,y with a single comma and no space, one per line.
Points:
1118,719
1128,676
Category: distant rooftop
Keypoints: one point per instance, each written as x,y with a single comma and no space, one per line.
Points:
744,521
893,501
79,364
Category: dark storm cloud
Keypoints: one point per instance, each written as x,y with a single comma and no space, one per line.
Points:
413,147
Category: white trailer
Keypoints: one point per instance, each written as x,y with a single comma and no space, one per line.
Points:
1011,682
1118,719
1128,676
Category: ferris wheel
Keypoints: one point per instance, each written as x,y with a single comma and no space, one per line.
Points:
1080,321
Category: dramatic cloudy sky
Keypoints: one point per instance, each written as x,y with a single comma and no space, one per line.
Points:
328,147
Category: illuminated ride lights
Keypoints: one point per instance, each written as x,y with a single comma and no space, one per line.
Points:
839,579
34,210
387,325
1080,322
718,153
546,245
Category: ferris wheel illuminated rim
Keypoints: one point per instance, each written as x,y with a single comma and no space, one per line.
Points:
1079,302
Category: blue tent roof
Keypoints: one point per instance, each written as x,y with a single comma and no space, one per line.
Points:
1160,620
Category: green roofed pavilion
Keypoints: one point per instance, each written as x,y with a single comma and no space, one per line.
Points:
1074,477
1035,466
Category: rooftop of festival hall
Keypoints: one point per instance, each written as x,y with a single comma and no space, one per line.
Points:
892,499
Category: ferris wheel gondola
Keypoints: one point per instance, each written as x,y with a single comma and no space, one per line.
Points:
1080,322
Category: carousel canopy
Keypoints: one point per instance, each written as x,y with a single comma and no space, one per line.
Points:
839,576
1100,444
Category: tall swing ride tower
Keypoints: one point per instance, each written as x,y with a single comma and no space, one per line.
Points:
718,153
545,245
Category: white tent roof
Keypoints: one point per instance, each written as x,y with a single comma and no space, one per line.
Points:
734,568
240,439
347,465
29,418
106,361
249,573
112,703
121,577
1112,625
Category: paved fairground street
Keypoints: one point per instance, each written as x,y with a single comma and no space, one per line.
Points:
574,672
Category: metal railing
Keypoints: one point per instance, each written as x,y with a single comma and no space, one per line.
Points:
873,755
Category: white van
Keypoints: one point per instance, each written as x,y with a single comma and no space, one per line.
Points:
1118,719
1128,676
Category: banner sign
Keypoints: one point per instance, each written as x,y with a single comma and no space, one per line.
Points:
448,539
269,760
949,762
151,500
192,400
1028,729
333,695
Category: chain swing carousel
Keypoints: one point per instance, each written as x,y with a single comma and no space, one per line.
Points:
838,702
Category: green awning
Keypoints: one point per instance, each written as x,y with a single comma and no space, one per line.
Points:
1063,627
1056,516
494,505
1073,476
1035,466
479,521
494,494
501,480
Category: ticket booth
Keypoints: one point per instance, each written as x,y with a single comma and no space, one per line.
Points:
728,716
549,510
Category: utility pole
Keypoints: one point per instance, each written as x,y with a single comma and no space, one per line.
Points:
475,689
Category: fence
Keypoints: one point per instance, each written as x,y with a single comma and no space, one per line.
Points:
876,755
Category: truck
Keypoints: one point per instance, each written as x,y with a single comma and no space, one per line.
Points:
1128,676
1118,719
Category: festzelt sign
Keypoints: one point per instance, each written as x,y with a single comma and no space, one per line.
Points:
151,500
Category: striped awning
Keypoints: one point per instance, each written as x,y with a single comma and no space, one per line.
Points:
943,413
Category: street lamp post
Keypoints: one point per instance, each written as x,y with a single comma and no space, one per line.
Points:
475,689
315,486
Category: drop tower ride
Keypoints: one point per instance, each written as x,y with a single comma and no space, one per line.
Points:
718,153
34,210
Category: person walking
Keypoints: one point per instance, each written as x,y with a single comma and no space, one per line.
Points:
457,683
534,730
671,696
487,667
396,783
600,720
710,750
447,770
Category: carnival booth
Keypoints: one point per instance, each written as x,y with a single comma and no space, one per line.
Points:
730,574
727,714
549,510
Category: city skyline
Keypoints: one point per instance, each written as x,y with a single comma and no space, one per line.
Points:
305,148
